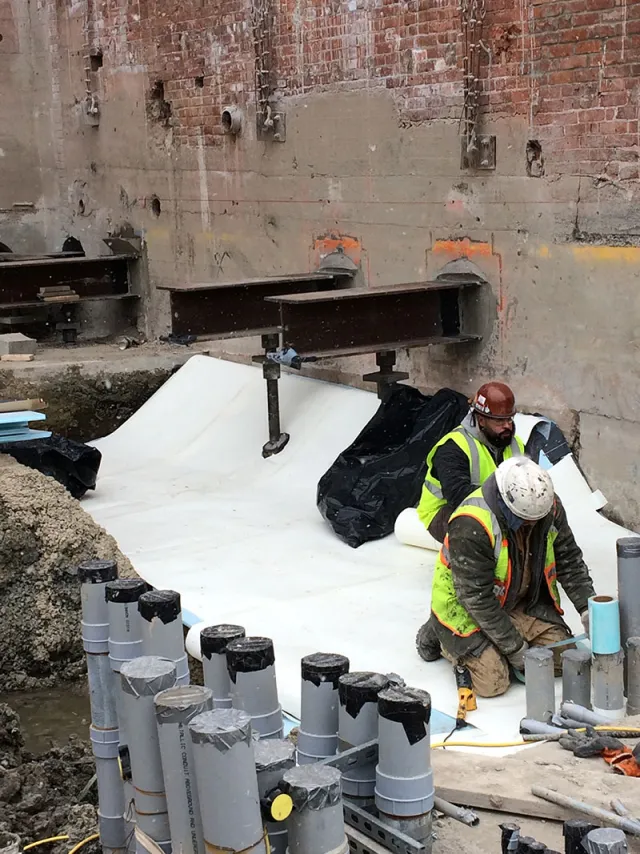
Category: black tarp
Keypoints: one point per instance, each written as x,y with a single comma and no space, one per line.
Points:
381,473
72,464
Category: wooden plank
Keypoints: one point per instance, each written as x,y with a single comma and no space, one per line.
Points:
504,784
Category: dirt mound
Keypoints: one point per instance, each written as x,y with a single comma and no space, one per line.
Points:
39,794
44,535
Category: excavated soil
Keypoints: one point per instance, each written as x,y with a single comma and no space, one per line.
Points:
44,535
39,796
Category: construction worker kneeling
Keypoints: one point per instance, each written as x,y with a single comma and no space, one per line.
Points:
495,586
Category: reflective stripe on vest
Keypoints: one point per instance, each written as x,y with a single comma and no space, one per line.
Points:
444,601
481,465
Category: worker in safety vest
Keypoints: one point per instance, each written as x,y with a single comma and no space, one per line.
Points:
495,585
461,462
463,459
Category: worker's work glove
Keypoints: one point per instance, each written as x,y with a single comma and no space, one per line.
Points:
585,621
516,659
591,743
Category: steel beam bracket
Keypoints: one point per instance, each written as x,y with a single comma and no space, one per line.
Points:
386,377
271,372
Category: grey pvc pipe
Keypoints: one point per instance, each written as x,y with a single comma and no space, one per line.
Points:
606,840
587,716
316,825
175,709
104,731
626,824
539,683
628,552
633,676
252,671
576,677
607,678
125,632
357,724
227,781
273,757
213,646
464,816
318,732
142,679
162,632
404,789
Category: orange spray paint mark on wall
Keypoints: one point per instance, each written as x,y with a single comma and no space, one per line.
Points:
328,243
464,248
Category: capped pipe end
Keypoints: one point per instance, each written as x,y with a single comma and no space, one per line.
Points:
97,571
147,675
274,754
248,655
222,728
163,604
124,590
323,667
628,547
182,703
358,688
313,787
214,640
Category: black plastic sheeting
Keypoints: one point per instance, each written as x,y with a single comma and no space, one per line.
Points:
382,472
72,464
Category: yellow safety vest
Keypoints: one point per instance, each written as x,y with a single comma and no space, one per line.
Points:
444,602
481,465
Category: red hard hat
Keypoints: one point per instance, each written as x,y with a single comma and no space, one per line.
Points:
495,400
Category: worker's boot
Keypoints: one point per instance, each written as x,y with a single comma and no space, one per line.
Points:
427,642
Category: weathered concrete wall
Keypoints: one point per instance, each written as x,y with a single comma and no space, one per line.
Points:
372,93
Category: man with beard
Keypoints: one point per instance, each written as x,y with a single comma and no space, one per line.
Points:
460,463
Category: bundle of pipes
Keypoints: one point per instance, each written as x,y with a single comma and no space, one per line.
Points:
209,768
598,679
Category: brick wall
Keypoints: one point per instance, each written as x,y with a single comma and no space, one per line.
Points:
569,67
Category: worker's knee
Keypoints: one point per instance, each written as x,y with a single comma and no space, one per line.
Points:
489,672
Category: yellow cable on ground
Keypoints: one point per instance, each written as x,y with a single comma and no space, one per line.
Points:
44,842
621,728
482,744
84,842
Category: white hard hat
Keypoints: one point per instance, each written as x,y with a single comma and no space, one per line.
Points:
526,489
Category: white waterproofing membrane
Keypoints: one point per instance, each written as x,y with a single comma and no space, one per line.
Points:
185,491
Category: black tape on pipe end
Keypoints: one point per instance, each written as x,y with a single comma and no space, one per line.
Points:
214,640
509,837
324,667
248,655
357,689
628,547
163,604
125,590
410,707
574,831
97,571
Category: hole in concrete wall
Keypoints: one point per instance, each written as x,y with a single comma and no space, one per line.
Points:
535,159
199,82
156,207
158,108
96,60
72,244
81,207
1,37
